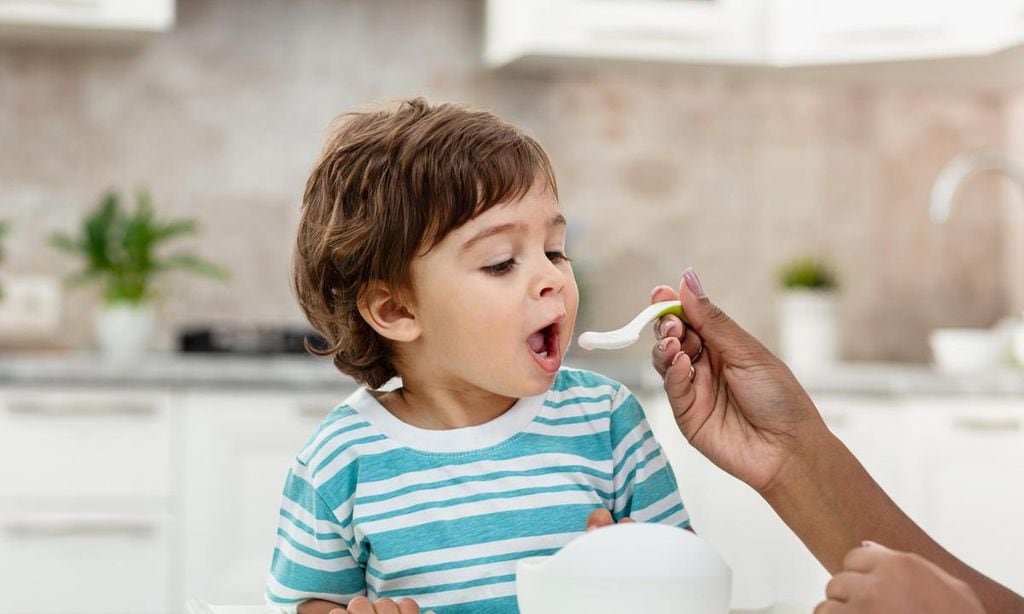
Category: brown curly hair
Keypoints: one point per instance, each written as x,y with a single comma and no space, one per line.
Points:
391,184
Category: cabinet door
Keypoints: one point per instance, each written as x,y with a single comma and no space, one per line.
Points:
68,15
973,487
880,433
808,32
239,447
683,30
84,443
877,430
769,563
82,562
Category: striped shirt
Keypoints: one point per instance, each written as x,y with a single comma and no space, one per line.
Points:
373,506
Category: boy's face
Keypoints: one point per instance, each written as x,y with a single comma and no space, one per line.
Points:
496,300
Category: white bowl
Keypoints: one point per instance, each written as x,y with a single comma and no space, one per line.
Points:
635,567
966,350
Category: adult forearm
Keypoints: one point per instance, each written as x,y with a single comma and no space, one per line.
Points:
831,502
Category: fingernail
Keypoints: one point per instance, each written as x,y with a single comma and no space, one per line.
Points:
653,292
693,283
663,328
676,358
663,344
868,544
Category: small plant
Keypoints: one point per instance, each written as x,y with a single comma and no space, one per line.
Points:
806,273
119,249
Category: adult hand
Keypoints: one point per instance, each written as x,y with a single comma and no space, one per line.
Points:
875,579
362,605
743,409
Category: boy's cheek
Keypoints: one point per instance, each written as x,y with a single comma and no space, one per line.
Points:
574,299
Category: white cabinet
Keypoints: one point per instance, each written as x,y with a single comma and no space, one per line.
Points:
813,32
61,559
238,448
83,18
983,41
678,30
954,464
95,443
880,432
130,501
86,500
973,491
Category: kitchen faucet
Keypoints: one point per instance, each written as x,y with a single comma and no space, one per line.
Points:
963,166
955,173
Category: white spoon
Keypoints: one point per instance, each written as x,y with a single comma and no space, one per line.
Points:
630,333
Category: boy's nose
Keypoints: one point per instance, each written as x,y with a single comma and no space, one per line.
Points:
551,280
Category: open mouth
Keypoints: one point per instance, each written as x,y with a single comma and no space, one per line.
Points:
545,347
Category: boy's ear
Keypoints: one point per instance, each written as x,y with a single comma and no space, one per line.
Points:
385,313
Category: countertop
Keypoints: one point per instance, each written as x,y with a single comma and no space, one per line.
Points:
308,373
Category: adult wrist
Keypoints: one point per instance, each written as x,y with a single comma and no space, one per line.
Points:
822,493
814,452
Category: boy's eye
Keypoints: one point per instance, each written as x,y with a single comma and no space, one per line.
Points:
557,257
501,268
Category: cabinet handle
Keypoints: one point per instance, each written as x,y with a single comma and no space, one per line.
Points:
82,408
312,411
78,528
885,34
78,5
981,425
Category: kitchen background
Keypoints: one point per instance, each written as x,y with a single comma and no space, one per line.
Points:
221,118
722,159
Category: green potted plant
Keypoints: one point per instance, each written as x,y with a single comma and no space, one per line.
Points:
808,314
119,248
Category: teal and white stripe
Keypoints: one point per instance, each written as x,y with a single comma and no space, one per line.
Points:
373,506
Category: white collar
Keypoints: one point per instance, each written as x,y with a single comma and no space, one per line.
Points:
464,439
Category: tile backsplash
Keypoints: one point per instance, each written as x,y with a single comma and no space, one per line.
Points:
659,167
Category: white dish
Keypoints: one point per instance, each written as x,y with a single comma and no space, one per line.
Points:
634,567
966,350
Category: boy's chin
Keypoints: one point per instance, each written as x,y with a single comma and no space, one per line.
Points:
531,386
538,384
533,391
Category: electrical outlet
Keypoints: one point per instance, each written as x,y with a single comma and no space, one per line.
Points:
29,306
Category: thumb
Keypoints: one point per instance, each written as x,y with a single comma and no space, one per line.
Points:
716,329
599,518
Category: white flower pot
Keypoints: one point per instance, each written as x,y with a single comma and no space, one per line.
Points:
1017,344
124,330
808,329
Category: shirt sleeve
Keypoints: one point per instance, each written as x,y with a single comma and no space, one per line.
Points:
312,558
645,487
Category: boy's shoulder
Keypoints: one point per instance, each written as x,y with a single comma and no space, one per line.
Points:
343,431
569,378
579,385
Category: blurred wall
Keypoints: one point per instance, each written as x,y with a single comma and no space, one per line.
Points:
659,167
